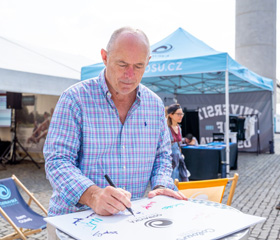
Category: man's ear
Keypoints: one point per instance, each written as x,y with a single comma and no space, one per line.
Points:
104,56
148,61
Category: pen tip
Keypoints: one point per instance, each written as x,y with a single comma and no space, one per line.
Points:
130,210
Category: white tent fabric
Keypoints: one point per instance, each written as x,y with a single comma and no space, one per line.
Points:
28,69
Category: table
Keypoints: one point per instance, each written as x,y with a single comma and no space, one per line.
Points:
242,235
233,153
207,161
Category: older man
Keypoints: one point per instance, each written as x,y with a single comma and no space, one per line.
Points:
110,125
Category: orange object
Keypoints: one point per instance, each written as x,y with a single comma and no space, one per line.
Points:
212,190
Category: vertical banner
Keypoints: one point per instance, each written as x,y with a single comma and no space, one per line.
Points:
5,114
33,121
254,107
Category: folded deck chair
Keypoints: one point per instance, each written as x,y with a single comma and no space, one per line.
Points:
212,190
17,212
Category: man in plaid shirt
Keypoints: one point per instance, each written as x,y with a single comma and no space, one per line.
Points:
110,125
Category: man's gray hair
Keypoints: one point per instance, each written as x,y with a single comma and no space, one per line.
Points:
117,32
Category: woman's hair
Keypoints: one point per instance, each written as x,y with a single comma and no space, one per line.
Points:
171,110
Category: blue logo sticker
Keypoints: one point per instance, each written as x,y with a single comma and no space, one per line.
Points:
163,48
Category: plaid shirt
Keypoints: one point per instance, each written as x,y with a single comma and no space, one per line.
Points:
87,140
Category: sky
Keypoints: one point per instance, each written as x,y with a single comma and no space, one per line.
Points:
83,27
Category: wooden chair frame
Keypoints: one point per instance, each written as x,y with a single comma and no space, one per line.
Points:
20,232
210,184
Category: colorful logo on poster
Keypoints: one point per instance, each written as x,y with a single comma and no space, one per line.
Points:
5,192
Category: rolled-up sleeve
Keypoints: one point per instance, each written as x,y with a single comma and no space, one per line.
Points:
62,148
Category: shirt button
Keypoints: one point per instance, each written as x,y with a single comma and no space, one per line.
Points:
123,147
123,188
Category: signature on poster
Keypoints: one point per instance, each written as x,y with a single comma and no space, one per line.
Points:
195,233
93,223
149,205
139,219
172,206
100,234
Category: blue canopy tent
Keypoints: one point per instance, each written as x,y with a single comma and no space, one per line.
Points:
182,64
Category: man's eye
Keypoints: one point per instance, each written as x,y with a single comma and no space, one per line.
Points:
139,67
123,65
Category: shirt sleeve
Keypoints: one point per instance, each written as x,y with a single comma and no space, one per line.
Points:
162,168
62,149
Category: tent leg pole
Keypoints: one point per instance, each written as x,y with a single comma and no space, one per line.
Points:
227,123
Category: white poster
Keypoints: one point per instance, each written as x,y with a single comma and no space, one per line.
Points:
158,218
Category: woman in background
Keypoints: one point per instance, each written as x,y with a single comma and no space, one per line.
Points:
174,117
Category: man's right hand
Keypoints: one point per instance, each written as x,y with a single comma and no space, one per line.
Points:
106,201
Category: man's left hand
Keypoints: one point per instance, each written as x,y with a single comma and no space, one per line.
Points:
167,192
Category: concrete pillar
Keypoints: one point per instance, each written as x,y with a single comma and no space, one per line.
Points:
255,39
255,36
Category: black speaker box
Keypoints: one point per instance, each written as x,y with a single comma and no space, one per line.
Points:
14,100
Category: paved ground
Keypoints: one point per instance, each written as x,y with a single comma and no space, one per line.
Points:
257,193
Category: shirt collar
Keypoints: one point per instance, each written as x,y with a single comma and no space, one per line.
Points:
106,91
103,83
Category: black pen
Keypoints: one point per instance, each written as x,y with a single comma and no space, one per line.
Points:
113,185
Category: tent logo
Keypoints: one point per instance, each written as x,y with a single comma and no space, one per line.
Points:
163,48
5,192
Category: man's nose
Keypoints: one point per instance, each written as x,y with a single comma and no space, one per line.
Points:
129,72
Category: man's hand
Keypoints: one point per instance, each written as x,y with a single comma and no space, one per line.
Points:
167,192
106,201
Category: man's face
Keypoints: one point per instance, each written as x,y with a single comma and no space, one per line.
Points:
125,63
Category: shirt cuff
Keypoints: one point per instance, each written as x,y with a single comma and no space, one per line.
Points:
159,187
